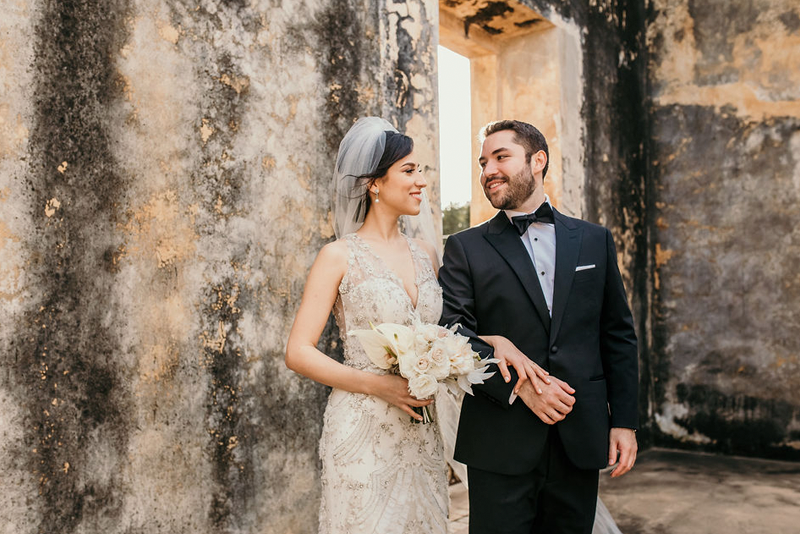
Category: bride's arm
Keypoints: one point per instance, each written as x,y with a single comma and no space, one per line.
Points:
302,355
509,354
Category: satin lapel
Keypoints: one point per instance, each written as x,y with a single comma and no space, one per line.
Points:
568,245
505,239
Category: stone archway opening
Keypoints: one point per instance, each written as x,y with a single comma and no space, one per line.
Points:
523,66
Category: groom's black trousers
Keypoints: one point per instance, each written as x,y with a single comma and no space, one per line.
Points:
555,498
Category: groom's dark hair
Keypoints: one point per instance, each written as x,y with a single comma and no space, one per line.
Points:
525,134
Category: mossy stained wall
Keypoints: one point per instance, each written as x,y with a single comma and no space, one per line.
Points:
164,188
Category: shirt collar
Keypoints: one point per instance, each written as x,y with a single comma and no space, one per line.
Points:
512,213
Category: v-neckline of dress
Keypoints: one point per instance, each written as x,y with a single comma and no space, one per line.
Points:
396,277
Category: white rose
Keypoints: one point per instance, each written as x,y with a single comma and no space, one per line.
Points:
421,345
467,352
455,343
440,362
430,332
422,386
423,363
462,363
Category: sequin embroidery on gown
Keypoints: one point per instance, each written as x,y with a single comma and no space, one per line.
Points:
381,473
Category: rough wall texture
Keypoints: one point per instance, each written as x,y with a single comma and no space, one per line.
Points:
725,170
164,172
164,187
615,191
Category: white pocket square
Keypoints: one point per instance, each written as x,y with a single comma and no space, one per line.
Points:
584,267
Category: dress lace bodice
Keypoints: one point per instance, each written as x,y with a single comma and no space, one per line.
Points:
371,292
381,473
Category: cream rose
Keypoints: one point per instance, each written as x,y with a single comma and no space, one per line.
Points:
422,386
440,362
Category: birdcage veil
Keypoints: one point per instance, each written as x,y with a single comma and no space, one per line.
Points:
360,152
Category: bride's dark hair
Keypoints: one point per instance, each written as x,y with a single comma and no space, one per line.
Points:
397,147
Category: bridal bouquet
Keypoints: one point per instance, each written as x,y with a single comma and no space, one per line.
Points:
425,354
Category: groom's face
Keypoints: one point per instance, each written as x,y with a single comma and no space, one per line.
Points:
506,174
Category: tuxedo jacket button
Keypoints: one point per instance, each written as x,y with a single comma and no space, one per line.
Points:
554,349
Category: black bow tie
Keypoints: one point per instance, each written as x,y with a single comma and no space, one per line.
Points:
544,214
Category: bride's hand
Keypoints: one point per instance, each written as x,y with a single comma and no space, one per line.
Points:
509,354
394,390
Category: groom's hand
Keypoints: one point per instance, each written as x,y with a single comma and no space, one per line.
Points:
553,404
622,441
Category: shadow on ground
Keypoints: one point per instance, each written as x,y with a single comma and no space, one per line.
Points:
676,492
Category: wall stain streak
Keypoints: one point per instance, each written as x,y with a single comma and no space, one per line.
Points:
344,28
725,314
65,356
217,185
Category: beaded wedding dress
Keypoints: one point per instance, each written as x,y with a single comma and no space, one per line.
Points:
381,473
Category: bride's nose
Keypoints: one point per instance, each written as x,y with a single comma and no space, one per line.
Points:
421,181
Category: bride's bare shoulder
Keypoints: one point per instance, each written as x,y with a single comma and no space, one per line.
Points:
334,253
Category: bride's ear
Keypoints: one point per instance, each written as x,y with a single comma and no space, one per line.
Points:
374,188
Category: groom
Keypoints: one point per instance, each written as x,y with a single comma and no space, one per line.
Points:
550,284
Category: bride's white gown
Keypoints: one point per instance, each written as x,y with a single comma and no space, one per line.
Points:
381,473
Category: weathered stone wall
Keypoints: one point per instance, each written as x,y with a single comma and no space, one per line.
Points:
725,168
164,187
164,178
614,148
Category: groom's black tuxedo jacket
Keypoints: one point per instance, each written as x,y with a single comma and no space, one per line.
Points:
491,288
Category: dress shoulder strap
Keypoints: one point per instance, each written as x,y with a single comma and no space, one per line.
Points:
360,264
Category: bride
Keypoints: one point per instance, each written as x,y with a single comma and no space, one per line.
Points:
381,473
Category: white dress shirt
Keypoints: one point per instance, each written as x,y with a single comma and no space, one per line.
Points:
540,242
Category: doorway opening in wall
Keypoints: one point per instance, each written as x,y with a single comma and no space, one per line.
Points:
520,66
455,143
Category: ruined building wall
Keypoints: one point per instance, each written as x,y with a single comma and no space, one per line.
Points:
725,168
614,145
164,187
164,178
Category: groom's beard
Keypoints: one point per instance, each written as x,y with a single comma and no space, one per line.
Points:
518,189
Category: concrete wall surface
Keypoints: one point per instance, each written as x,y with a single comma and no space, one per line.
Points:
164,187
724,114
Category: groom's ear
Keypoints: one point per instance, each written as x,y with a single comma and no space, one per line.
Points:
538,161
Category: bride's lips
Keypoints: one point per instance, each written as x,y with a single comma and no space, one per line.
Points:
417,195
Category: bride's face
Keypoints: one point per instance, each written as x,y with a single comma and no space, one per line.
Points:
401,189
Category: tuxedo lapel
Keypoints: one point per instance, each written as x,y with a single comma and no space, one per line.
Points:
568,245
502,235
